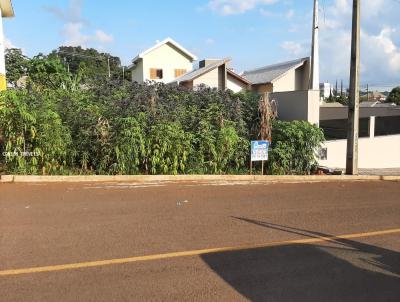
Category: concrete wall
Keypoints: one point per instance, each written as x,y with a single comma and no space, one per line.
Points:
376,152
298,105
334,112
168,58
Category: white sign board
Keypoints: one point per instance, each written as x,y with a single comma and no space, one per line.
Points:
259,150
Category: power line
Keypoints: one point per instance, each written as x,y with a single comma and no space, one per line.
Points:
82,55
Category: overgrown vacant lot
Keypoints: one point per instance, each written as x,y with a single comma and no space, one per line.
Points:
66,123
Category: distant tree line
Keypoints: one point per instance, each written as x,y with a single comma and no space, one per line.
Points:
90,64
343,98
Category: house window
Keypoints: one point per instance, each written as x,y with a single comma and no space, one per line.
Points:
179,72
156,74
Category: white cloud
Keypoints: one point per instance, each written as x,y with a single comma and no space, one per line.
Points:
383,54
380,42
71,14
264,12
294,29
75,28
73,34
210,41
373,8
290,14
294,49
103,37
233,7
267,13
335,56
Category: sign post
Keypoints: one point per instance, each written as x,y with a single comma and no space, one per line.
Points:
259,152
262,167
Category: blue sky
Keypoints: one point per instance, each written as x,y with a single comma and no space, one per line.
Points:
253,33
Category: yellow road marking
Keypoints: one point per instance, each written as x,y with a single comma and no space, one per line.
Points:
188,253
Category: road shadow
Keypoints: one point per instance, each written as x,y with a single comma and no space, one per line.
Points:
343,270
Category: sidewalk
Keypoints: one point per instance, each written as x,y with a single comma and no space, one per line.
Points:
195,178
382,172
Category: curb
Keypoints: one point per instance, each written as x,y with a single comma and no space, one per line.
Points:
6,178
182,178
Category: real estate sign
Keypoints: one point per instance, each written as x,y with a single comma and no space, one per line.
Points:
259,150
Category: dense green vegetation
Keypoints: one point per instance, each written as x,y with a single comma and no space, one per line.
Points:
394,96
72,123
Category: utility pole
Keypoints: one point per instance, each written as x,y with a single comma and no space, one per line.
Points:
354,97
109,70
367,93
314,85
66,63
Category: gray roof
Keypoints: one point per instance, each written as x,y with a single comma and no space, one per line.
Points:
191,75
268,74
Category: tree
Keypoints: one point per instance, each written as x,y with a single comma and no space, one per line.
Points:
16,65
394,96
94,63
294,146
342,99
47,72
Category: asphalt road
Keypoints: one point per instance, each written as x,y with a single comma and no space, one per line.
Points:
157,241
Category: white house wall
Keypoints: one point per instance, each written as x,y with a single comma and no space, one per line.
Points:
286,82
210,79
167,58
373,153
294,80
235,85
137,72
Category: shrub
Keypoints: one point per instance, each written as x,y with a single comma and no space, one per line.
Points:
116,127
33,138
293,149
394,96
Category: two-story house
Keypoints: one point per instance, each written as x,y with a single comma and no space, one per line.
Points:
164,62
170,63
